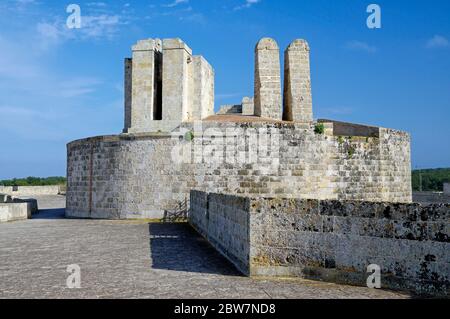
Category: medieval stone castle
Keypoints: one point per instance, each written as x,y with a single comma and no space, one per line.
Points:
169,104
274,191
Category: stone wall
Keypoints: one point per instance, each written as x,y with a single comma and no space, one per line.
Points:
447,188
230,109
430,197
224,221
30,190
124,177
15,211
330,240
136,176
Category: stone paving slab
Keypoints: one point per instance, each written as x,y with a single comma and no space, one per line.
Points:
134,259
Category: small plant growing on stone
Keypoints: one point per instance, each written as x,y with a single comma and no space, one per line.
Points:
189,136
340,140
319,128
351,151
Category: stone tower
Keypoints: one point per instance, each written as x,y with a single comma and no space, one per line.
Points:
297,83
267,80
141,95
166,85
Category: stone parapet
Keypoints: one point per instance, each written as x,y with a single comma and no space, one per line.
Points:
330,240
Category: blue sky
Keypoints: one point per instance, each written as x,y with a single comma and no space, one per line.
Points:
57,85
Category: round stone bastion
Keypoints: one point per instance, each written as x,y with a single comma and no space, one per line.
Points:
150,175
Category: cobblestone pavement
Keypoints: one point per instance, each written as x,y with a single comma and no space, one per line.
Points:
133,259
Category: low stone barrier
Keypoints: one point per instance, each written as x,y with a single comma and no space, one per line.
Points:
15,211
30,190
431,197
330,240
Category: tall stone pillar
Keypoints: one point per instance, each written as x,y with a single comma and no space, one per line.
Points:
143,97
175,80
297,83
268,102
202,83
128,92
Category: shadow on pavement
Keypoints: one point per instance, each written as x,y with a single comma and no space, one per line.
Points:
178,247
54,213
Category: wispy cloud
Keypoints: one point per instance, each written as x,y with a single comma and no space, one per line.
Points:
438,41
76,87
360,46
194,17
96,4
175,3
247,4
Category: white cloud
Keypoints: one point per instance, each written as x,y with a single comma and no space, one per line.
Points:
247,4
25,2
361,46
175,3
438,41
76,87
100,26
96,4
92,27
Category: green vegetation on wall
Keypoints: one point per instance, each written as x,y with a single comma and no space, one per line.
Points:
432,179
34,181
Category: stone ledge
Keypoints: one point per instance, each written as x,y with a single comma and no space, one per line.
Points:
15,211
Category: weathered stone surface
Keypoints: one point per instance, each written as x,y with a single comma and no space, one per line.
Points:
202,84
268,102
248,106
297,83
447,188
15,211
230,109
30,190
128,92
175,84
135,175
330,240
430,197
144,100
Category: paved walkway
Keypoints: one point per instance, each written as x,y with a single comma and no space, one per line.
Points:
133,259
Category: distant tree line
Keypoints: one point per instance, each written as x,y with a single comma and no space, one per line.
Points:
432,180
34,181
